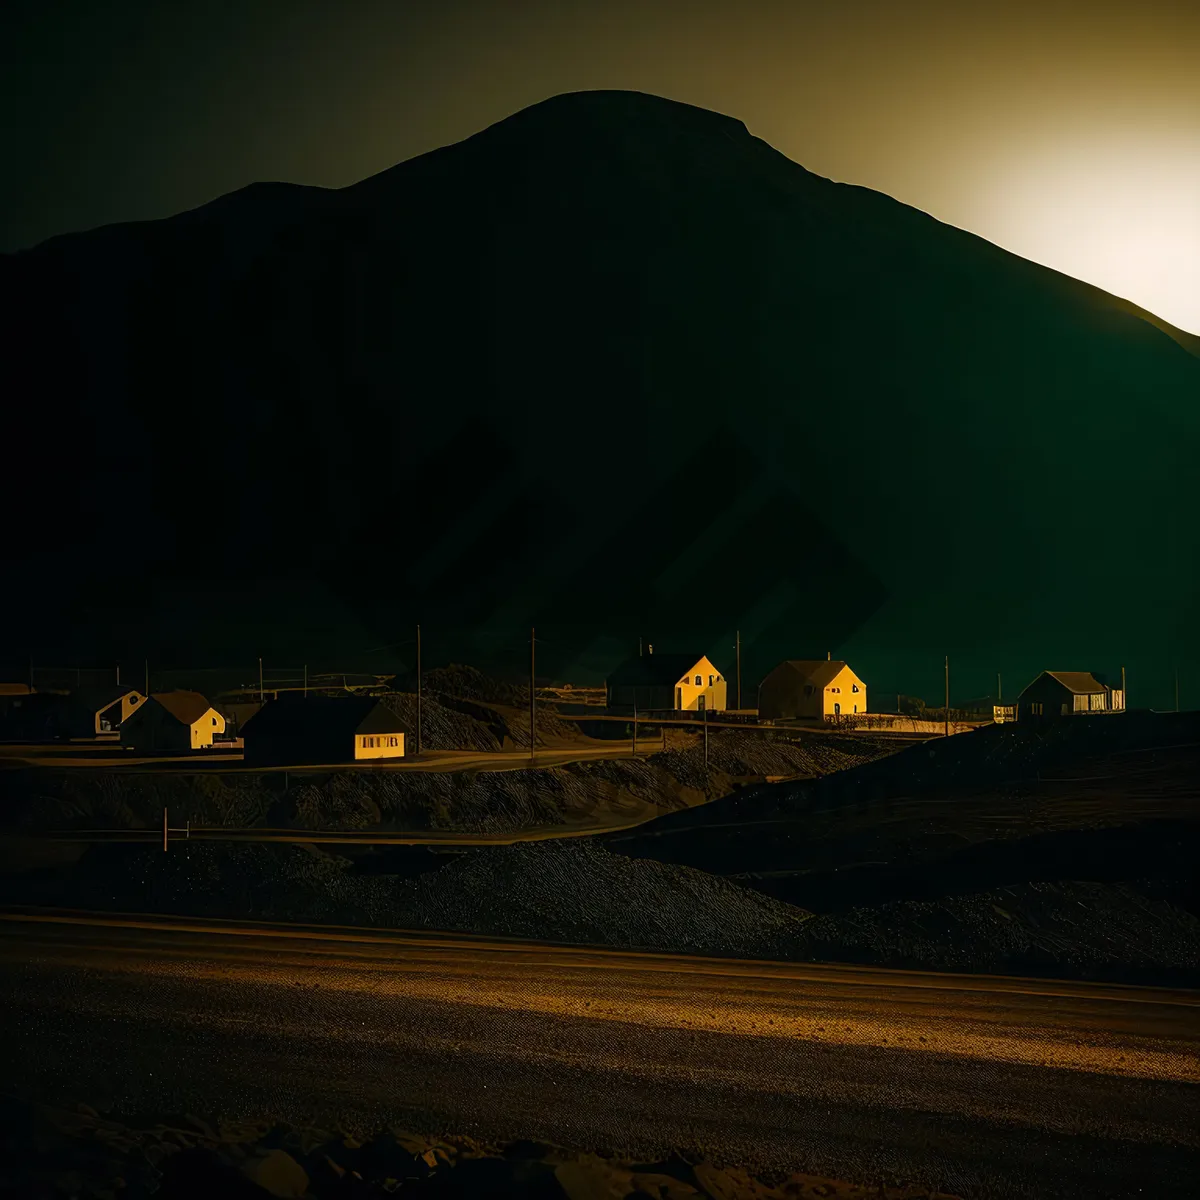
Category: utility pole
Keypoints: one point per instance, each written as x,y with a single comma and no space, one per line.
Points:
999,690
418,689
639,646
1124,692
164,829
532,700
118,674
1176,689
306,679
31,674
706,740
947,695
635,724
146,664
261,696
739,670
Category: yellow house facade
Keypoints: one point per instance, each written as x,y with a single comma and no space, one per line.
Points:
179,720
813,689
378,745
662,682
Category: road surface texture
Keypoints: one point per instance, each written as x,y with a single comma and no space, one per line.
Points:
982,1087
92,755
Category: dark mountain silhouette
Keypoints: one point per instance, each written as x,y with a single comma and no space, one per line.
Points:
612,366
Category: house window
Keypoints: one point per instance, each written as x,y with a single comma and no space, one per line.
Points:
710,681
699,681
1036,708
391,741
854,688
214,720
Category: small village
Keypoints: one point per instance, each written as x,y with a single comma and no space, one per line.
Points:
345,719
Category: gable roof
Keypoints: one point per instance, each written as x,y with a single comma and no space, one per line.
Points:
820,672
1081,683
303,717
97,699
186,707
654,670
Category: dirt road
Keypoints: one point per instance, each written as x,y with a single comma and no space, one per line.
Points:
984,1087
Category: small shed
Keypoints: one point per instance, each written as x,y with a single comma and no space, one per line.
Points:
662,682
1067,693
811,688
322,729
177,721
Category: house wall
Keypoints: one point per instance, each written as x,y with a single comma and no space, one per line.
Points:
202,730
840,695
378,745
155,729
1047,692
687,695
784,694
642,696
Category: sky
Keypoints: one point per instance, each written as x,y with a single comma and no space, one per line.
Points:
1067,131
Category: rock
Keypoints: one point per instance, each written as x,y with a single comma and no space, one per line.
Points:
278,1173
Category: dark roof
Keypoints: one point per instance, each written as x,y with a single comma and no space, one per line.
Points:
185,707
1081,683
97,699
322,716
649,670
819,672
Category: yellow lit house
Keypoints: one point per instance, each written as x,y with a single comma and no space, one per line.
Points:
812,688
172,721
323,729
659,682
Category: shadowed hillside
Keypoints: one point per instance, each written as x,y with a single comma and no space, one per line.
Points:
611,367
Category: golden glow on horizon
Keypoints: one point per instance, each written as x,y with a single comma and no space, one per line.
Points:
1117,210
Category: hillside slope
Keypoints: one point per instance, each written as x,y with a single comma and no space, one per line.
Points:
611,329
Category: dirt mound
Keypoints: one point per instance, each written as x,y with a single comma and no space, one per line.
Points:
740,753
469,683
1067,929
931,799
573,891
441,728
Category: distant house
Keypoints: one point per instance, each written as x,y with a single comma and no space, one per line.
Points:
811,688
658,682
1066,693
172,721
91,712
322,729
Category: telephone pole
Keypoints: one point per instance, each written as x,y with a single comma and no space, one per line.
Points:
147,666
306,679
1124,692
739,669
999,690
947,734
261,696
418,689
532,698
635,724
706,740
1176,689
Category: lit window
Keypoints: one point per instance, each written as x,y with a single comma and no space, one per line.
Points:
710,681
699,681
854,688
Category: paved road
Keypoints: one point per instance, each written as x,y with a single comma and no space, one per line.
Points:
984,1087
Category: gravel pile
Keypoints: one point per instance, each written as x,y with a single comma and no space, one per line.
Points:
470,683
573,891
1067,928
441,728
738,753
564,891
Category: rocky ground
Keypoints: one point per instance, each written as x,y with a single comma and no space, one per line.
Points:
56,1154
574,891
